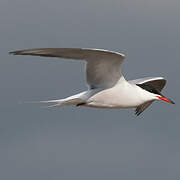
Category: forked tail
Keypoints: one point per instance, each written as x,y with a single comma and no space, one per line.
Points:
60,102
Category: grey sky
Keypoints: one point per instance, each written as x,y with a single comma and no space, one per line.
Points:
85,143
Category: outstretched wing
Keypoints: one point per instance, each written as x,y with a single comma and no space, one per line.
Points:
157,82
103,68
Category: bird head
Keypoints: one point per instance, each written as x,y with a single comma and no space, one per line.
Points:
154,94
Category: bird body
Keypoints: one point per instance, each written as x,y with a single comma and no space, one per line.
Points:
127,96
107,87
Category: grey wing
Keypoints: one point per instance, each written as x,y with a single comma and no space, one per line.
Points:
157,82
103,68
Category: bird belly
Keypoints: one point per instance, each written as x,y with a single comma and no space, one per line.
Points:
115,98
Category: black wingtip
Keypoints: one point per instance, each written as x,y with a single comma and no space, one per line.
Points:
137,113
20,52
13,52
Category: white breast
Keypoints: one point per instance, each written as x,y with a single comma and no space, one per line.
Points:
123,95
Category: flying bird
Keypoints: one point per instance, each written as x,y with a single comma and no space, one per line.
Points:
107,87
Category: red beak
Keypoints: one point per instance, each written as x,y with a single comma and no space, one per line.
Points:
165,99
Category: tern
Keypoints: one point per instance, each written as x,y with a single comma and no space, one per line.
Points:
107,87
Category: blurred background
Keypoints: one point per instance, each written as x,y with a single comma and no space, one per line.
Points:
84,143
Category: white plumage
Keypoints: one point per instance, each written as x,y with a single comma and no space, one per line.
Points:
107,87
